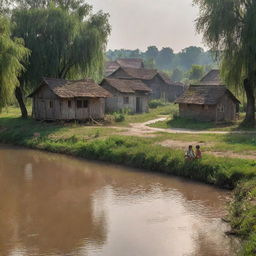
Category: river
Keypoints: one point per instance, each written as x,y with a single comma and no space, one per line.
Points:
54,205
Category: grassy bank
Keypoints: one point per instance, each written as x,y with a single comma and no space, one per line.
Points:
102,144
243,216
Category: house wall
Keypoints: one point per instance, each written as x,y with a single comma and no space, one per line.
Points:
205,113
47,106
117,103
226,110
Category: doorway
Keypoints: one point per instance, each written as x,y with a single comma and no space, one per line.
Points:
138,105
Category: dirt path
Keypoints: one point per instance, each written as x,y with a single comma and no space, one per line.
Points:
143,130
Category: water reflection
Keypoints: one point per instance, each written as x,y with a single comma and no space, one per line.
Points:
56,205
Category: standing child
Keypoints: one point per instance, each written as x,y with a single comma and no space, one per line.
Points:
198,152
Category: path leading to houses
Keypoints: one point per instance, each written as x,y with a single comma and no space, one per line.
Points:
143,130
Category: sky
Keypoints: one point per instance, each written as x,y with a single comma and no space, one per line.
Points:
141,23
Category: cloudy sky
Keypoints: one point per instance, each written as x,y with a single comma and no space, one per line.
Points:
140,23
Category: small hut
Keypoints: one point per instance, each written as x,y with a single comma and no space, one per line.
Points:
208,103
59,99
127,94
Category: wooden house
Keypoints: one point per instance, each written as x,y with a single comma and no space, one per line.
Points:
59,99
127,94
208,103
112,66
158,82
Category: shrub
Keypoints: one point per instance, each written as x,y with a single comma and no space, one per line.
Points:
119,117
156,103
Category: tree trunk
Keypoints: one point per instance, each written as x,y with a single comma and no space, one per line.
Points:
250,108
19,97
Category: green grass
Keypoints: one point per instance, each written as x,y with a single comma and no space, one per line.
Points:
237,143
152,114
183,123
243,216
102,143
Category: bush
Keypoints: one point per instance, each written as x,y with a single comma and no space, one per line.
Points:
119,117
156,103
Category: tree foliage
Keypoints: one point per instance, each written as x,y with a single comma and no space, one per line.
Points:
177,75
62,44
165,59
196,72
12,53
229,28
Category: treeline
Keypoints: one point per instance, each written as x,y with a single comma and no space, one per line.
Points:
48,38
188,64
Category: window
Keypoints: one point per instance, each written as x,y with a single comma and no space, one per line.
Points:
85,103
82,103
79,103
126,100
51,104
69,103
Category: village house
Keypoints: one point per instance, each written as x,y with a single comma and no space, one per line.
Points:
162,87
112,66
59,99
209,100
127,94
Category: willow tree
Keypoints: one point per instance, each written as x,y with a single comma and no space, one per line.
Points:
228,27
12,53
64,42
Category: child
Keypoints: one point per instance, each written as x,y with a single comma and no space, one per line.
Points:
190,155
198,152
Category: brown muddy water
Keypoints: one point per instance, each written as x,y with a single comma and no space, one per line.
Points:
57,205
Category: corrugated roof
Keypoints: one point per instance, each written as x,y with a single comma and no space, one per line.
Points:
127,86
205,95
74,89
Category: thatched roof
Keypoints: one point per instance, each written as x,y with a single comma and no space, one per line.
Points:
205,95
127,86
141,73
73,89
144,74
112,66
212,78
130,63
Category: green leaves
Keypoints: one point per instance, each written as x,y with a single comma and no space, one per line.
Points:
12,53
63,42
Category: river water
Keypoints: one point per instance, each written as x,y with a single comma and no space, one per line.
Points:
57,205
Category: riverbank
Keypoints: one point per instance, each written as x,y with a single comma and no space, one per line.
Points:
103,144
131,151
